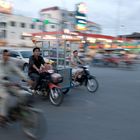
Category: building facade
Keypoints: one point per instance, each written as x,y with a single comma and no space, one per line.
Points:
65,19
14,28
93,28
59,19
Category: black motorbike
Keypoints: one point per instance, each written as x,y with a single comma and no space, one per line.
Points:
32,120
86,79
48,86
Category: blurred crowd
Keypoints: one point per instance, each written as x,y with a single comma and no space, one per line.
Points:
115,57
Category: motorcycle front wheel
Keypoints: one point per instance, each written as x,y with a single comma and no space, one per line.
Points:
34,124
92,84
56,96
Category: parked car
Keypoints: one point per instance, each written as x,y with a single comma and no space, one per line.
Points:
21,57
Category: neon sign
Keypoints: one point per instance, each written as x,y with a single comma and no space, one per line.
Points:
5,7
82,8
80,16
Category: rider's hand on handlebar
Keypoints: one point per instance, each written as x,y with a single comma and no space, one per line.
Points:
30,82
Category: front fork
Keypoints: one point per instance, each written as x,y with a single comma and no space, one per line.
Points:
51,86
54,93
89,77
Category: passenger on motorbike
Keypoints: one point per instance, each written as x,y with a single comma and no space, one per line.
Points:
75,62
46,67
8,69
35,62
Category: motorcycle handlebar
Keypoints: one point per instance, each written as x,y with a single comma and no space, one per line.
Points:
83,66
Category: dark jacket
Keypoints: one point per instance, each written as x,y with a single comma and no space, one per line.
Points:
33,61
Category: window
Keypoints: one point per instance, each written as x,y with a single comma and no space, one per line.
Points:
52,26
22,25
3,33
63,14
42,14
2,24
40,27
71,14
22,37
13,23
14,54
49,15
32,26
26,54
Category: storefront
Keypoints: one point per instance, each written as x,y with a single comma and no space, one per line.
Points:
58,46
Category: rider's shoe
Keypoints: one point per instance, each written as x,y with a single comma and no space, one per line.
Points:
31,90
76,83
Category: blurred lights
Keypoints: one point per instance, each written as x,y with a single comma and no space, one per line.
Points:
5,4
26,34
49,37
80,16
81,27
93,40
5,7
82,8
66,31
67,37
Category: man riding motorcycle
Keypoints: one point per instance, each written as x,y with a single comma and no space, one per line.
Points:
75,62
8,69
35,62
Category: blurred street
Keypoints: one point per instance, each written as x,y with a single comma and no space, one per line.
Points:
60,35
111,114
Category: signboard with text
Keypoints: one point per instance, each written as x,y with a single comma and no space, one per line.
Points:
80,16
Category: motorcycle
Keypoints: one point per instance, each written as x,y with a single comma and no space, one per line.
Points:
32,120
86,79
48,86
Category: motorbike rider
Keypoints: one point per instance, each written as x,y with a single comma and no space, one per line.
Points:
35,62
8,69
75,62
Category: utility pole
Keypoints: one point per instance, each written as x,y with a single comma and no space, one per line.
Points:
118,10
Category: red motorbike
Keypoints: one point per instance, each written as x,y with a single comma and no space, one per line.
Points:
49,87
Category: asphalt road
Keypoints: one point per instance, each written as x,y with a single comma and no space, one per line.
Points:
113,113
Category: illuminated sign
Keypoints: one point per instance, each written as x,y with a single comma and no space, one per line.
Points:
82,8
80,16
5,7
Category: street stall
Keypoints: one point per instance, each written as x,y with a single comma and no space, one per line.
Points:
58,47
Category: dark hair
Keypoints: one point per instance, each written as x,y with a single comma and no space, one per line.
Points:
5,51
36,48
75,51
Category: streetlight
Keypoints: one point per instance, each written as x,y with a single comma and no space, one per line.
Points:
123,36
